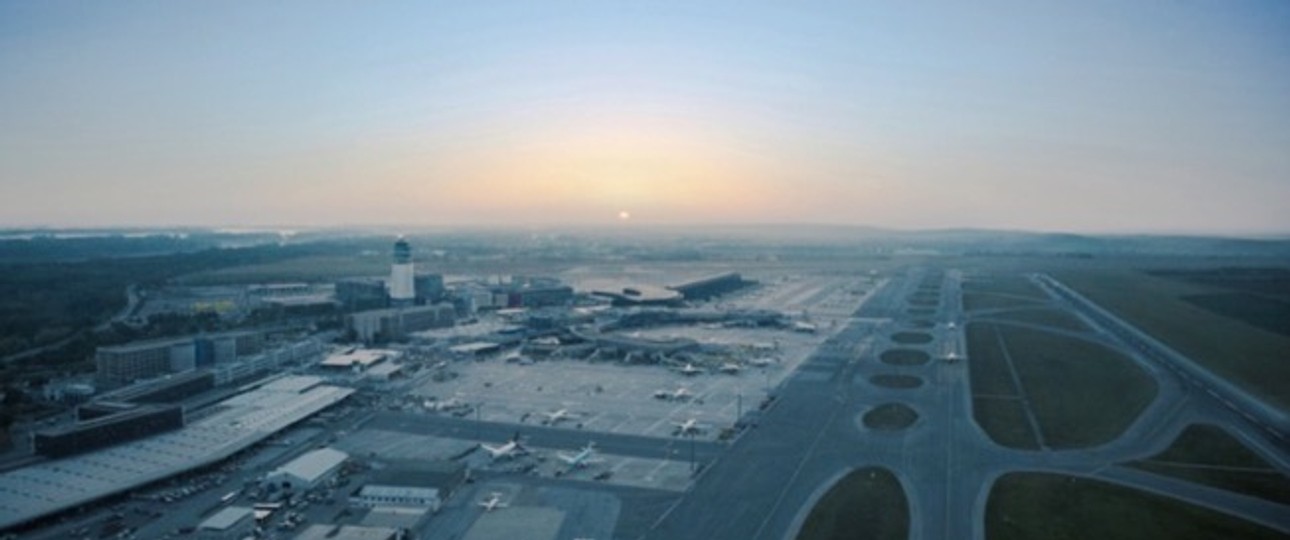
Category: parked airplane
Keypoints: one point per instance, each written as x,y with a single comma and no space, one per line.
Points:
691,426
444,405
493,502
582,459
762,362
731,368
688,369
555,417
680,394
511,449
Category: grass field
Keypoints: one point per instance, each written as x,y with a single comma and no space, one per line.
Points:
988,369
1004,421
890,416
1025,506
1207,454
1006,284
979,301
315,268
1081,393
867,504
1053,318
1263,312
1249,356
911,338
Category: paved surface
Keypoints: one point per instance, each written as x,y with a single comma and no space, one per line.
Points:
945,463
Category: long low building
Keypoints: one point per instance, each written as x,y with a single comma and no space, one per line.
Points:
308,471
46,488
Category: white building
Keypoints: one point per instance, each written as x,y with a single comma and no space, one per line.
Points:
232,523
307,471
402,284
374,495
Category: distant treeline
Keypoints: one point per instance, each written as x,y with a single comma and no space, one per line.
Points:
42,303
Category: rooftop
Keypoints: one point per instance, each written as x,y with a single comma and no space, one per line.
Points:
226,518
346,532
243,420
362,357
313,465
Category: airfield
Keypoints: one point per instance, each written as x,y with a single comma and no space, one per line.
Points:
890,382
945,403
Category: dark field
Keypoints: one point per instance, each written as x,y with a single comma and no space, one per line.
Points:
867,504
1207,454
911,338
1004,421
982,301
1011,285
1025,506
1053,318
1258,311
890,416
1081,393
1249,356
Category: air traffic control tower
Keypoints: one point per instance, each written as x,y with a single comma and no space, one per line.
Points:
402,286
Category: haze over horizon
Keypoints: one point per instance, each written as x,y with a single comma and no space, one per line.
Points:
1154,116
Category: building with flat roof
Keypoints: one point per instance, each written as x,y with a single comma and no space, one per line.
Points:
347,532
711,286
411,485
307,471
231,523
48,487
358,294
359,359
117,365
395,324
134,423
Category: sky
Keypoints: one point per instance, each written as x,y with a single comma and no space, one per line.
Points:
1091,116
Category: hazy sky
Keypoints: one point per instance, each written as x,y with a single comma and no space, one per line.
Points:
1084,116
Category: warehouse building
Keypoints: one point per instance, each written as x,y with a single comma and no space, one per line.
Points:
419,485
307,471
45,488
232,523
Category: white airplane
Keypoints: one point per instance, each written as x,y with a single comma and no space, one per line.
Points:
689,426
444,405
582,459
555,417
688,369
731,368
762,362
493,502
511,449
680,394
